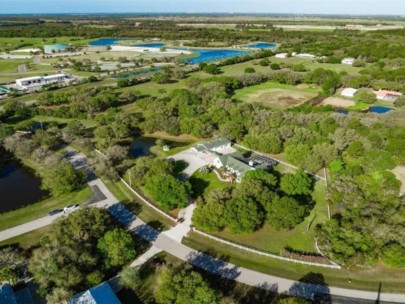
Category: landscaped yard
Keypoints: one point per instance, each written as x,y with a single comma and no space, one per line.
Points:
203,183
275,95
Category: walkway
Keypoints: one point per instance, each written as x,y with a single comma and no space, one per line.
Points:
170,241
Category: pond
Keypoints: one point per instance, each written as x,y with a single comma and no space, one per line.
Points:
207,55
18,186
151,45
105,41
55,47
262,45
380,110
141,146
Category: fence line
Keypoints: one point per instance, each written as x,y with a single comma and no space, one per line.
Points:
256,251
280,161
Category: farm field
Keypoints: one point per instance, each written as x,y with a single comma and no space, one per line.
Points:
275,95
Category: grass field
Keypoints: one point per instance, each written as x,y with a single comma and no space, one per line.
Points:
275,95
27,240
40,209
8,43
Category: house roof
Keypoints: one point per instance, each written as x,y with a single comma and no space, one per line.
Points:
101,294
382,93
235,164
7,294
349,91
212,144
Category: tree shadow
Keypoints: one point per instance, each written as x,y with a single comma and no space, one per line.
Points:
312,287
216,266
146,232
198,186
122,214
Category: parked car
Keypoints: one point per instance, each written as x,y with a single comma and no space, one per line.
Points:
53,212
70,208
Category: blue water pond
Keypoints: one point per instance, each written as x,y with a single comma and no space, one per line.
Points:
55,47
207,55
262,45
380,110
106,41
151,45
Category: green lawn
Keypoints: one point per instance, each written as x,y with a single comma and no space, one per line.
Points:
204,183
367,279
27,240
11,66
359,106
40,209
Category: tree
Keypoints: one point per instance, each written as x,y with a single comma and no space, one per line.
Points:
184,286
12,264
296,184
243,215
168,191
366,96
275,66
161,78
330,85
250,70
117,247
394,255
285,213
64,179
212,69
116,154
130,277
210,216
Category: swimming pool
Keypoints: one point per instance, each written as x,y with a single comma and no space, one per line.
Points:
262,45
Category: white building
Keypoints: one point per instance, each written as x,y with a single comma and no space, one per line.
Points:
304,55
349,92
38,81
217,145
348,61
281,55
388,95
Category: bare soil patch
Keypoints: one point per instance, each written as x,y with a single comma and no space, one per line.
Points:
279,99
337,102
399,172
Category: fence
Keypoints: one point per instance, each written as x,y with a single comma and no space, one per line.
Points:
266,254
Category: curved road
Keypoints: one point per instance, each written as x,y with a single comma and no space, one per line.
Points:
170,241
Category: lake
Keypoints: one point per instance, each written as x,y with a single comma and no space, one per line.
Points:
151,45
262,45
105,41
207,55
141,146
18,186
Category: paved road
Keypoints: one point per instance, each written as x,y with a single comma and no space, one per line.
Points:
170,241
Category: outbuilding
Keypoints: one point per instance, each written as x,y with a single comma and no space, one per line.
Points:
349,92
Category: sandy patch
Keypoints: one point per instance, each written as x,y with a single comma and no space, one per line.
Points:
399,172
278,98
337,102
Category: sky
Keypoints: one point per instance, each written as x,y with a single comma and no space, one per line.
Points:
354,7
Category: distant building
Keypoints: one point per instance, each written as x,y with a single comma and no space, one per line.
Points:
9,296
101,294
216,145
349,92
387,95
38,81
348,61
281,55
304,55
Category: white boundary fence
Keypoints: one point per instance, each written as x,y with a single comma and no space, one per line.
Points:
280,161
266,254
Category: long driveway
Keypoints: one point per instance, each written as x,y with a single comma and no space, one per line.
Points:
170,241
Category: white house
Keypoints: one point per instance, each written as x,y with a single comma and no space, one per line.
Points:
281,55
304,55
349,92
39,81
233,165
217,145
348,61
